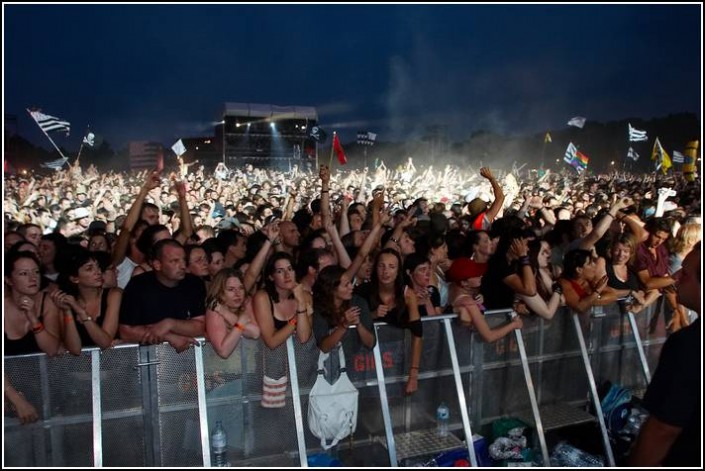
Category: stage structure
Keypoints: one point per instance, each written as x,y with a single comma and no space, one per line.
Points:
267,136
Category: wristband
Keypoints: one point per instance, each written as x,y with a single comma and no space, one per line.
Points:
37,328
240,327
87,319
524,260
292,321
302,311
68,318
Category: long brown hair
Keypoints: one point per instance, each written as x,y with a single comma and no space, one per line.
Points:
327,282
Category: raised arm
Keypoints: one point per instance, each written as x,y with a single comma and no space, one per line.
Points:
123,240
186,226
496,205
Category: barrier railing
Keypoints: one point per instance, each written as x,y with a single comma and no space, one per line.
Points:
150,406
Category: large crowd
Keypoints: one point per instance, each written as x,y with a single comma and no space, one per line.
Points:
93,258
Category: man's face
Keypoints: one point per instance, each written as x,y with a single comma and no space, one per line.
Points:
150,215
172,264
289,234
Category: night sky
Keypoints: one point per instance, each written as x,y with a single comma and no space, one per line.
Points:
153,72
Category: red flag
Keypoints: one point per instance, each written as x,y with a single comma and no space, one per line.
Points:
339,150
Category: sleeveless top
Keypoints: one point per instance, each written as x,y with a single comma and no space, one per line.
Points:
86,339
28,343
278,324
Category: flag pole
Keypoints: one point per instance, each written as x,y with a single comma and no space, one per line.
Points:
332,144
47,135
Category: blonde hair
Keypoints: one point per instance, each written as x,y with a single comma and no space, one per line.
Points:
217,286
688,235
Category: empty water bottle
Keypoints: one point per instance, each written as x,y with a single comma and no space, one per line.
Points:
442,419
219,445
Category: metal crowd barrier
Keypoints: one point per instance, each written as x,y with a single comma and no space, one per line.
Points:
150,406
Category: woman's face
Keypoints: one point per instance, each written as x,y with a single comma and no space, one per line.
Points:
216,263
421,276
589,269
621,254
234,293
24,278
283,275
89,275
387,269
355,222
544,255
344,291
406,244
198,262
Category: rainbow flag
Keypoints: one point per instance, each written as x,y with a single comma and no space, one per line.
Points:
582,159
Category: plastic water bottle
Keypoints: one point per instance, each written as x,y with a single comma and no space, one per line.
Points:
219,445
442,419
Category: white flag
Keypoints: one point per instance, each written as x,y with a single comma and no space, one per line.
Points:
50,123
631,154
371,136
678,158
178,148
55,164
89,139
570,153
578,122
637,136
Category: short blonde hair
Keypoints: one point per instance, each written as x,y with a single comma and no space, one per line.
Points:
687,236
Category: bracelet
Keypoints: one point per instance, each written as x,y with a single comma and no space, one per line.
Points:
610,214
292,321
524,260
37,328
240,327
304,311
87,319
599,296
414,368
275,241
68,318
324,191
396,241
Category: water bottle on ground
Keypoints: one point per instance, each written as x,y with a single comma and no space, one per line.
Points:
219,445
442,419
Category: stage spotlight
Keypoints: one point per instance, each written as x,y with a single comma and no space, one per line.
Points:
272,125
237,125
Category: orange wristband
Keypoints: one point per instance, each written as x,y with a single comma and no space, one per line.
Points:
292,321
68,318
240,327
39,327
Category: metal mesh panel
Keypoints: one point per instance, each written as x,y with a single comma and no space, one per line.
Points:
122,404
70,397
179,430
25,445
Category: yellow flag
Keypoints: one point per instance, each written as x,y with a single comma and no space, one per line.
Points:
659,154
691,155
547,138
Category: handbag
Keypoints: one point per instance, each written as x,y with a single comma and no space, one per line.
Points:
332,408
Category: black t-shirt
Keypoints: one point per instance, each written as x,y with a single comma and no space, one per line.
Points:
496,293
674,394
321,327
146,301
632,282
396,316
